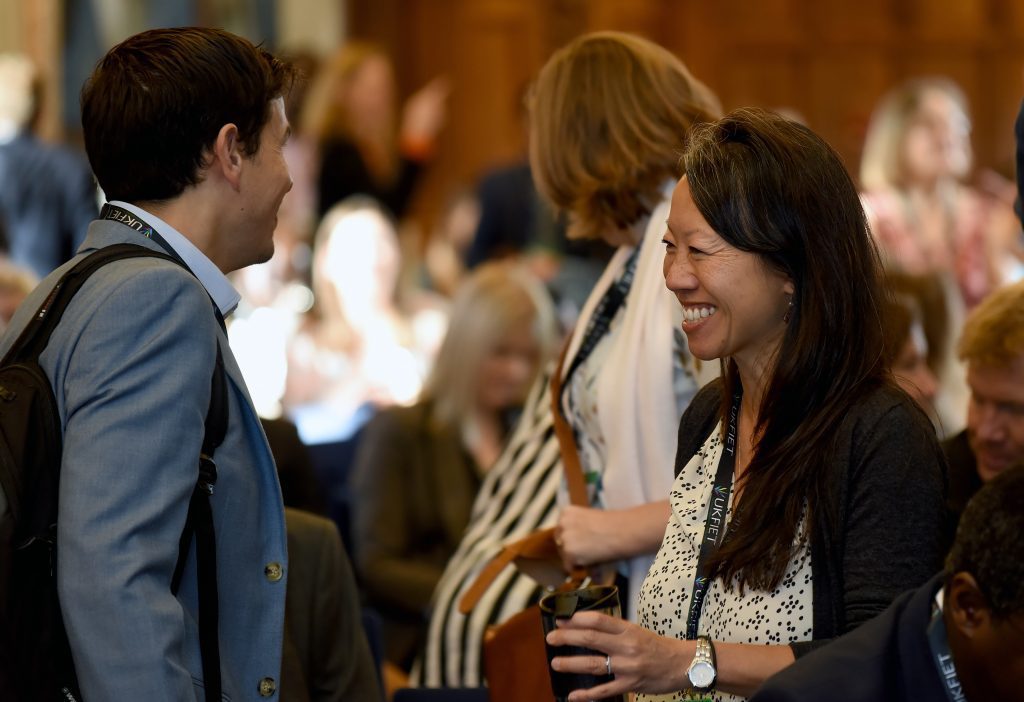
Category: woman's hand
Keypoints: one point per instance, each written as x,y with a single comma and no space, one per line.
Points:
641,661
582,535
587,536
426,111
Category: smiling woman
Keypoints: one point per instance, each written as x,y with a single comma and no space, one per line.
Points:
805,448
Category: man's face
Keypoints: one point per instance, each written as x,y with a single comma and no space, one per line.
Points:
265,182
995,416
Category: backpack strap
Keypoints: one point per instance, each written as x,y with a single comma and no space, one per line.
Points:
199,520
36,335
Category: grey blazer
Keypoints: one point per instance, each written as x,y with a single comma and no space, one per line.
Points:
130,365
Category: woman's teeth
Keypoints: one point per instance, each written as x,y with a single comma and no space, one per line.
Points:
693,314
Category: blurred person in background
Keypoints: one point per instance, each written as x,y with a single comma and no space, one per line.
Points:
905,343
357,350
925,218
917,156
48,196
418,468
352,116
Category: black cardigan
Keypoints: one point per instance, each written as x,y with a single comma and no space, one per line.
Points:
890,479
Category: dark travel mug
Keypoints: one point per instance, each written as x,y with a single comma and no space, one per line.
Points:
562,605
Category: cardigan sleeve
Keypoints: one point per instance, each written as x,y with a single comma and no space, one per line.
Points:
891,514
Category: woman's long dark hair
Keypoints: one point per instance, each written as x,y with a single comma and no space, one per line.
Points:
772,187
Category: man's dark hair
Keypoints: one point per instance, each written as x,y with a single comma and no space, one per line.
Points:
989,543
155,103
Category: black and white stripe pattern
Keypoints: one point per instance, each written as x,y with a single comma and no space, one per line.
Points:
518,496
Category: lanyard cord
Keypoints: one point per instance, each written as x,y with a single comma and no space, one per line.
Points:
714,525
942,656
133,221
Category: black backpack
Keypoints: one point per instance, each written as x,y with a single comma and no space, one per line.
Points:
35,658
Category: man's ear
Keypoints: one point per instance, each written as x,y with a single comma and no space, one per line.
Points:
227,157
967,606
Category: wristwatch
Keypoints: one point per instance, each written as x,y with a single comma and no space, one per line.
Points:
702,670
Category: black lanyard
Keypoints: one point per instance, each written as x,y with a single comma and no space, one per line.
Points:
123,216
714,525
133,221
603,314
942,656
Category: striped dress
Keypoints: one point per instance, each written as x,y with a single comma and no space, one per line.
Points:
518,496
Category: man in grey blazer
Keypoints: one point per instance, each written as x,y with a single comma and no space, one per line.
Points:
184,129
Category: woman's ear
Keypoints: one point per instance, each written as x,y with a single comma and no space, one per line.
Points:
788,287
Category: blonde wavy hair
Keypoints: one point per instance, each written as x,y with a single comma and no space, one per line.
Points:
881,163
609,116
324,116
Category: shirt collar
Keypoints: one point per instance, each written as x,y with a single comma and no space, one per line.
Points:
216,283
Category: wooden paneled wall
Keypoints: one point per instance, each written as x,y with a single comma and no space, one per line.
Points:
828,59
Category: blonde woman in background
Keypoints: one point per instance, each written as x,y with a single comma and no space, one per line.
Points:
364,150
418,468
926,220
359,350
917,157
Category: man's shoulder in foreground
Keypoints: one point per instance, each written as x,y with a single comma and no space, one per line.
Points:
885,659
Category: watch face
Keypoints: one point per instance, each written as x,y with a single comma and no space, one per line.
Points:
702,674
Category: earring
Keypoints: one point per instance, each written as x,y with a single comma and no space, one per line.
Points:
789,312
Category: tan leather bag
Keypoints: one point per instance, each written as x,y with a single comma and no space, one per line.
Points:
515,660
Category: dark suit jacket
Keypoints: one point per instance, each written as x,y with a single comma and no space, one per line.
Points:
326,656
299,486
47,200
413,488
887,659
964,480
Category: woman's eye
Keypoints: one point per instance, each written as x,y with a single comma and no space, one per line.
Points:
695,251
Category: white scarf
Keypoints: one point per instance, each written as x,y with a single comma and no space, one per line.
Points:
636,403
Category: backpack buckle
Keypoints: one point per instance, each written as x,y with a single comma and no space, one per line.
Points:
207,473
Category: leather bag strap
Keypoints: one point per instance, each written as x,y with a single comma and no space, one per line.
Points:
574,478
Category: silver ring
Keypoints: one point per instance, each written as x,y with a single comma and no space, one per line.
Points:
608,664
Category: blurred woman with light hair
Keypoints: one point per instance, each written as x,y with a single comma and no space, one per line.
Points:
917,157
418,468
365,149
926,220
359,350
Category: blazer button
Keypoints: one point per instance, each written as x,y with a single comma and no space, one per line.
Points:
273,571
267,687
